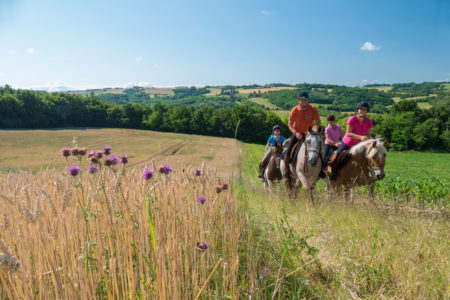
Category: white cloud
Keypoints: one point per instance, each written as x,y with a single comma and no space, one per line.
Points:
11,52
139,58
2,74
368,46
266,12
30,51
155,66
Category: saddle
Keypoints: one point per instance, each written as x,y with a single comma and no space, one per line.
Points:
293,154
339,161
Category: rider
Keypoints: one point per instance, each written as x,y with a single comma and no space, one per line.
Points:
358,129
276,138
301,118
332,136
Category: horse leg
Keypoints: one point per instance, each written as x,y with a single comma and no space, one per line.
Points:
347,191
371,188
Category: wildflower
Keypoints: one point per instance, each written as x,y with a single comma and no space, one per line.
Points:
82,151
74,170
92,154
98,154
165,169
224,185
93,160
203,246
148,173
218,189
111,161
107,149
201,199
124,159
93,169
197,172
65,152
75,151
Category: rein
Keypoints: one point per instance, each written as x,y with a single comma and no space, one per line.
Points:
306,163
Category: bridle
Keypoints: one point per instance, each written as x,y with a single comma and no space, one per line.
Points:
308,150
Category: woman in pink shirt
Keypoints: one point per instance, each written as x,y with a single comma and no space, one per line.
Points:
358,129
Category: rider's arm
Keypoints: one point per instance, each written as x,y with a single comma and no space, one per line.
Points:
354,135
267,147
327,137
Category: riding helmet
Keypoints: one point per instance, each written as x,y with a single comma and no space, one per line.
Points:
302,94
276,127
363,104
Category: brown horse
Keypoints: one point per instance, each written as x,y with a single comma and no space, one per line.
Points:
364,167
272,172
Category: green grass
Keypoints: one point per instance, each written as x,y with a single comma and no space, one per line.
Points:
263,101
418,164
364,250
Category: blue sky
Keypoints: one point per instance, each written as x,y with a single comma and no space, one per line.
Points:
89,44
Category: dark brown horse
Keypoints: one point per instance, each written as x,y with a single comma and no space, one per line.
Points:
272,173
364,167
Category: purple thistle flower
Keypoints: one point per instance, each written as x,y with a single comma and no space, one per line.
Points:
124,159
65,152
203,246
107,149
148,173
74,170
224,185
197,172
165,169
82,151
75,151
93,169
91,154
202,199
111,161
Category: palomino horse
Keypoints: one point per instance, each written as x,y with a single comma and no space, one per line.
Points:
272,172
307,165
364,167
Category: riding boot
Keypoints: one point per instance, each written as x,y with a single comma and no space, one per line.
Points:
261,170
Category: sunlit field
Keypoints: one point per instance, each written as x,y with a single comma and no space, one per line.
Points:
199,224
35,149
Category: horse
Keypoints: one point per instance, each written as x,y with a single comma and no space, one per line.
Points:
364,167
272,172
307,165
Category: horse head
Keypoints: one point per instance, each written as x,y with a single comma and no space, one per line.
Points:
277,150
313,142
376,156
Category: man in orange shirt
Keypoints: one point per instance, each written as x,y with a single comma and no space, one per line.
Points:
301,118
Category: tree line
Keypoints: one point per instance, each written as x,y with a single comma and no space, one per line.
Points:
33,109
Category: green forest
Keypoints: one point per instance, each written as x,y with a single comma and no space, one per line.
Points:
396,114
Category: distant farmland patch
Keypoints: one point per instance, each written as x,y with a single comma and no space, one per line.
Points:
263,101
265,90
383,88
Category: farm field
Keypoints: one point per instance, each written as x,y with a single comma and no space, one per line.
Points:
380,88
36,149
263,101
258,245
265,90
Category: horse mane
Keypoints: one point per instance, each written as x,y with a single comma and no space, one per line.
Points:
363,147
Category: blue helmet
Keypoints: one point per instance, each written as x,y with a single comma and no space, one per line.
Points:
302,94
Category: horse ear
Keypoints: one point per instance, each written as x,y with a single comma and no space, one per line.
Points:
319,129
384,143
309,129
372,145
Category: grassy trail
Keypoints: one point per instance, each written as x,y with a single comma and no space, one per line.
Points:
366,250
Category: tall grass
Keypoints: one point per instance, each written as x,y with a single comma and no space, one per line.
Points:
365,249
115,235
